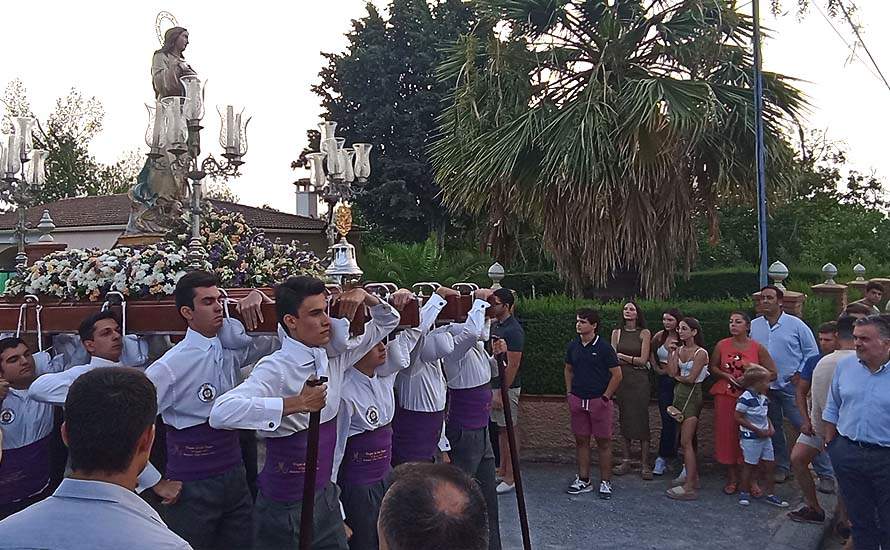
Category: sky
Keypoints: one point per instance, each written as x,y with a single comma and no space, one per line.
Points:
266,56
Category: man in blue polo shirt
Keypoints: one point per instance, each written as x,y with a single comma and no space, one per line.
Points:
592,378
857,433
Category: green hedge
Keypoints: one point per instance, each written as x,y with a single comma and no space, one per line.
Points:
545,283
549,324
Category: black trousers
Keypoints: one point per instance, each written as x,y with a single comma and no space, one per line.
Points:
278,523
214,513
361,503
471,451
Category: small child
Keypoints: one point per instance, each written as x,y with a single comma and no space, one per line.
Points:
756,432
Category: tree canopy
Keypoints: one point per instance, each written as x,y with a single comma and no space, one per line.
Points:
383,90
612,125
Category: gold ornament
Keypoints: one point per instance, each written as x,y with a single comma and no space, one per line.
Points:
343,219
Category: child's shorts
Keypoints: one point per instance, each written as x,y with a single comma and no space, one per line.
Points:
755,450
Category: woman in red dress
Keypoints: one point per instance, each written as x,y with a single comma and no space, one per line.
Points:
728,363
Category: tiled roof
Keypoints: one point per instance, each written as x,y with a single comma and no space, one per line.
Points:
114,210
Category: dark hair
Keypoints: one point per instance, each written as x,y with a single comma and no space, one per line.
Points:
661,336
11,342
693,323
290,294
590,315
505,295
874,285
185,287
743,315
857,308
880,322
641,319
87,328
106,412
779,293
829,327
844,327
413,515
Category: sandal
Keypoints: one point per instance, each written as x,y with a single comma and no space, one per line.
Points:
730,488
680,493
647,474
621,469
756,491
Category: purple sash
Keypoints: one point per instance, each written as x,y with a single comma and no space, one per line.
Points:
24,471
367,457
199,452
415,435
469,408
283,473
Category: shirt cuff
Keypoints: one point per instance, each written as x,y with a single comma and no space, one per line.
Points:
270,412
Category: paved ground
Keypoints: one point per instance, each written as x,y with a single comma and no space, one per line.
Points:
639,516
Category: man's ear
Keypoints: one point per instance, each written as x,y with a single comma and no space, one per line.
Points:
290,321
143,445
187,313
64,432
90,346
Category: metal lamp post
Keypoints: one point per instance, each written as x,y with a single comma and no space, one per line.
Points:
175,127
335,171
22,173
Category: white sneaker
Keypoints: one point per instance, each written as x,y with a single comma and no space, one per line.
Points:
577,487
660,466
504,487
680,479
605,490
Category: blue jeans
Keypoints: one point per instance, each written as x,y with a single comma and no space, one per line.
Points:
863,476
782,405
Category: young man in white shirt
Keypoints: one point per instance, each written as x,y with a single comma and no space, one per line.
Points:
276,399
101,337
214,509
27,426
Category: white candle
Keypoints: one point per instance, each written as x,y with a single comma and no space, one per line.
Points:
158,125
237,143
230,123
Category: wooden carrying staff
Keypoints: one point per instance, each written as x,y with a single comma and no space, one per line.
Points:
307,513
514,457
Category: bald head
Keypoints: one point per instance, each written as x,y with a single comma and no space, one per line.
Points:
435,507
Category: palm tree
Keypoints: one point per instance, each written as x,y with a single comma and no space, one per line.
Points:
611,125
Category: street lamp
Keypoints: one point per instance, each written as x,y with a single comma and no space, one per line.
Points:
336,171
22,174
174,127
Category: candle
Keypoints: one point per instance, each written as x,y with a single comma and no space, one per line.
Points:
237,143
230,123
158,125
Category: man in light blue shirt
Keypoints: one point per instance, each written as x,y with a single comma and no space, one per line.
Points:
789,342
109,429
857,432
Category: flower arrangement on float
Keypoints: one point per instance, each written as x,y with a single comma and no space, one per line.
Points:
239,254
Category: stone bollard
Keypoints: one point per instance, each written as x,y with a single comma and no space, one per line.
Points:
859,282
831,289
792,302
496,273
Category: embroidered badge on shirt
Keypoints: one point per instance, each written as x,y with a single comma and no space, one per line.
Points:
372,415
206,393
7,416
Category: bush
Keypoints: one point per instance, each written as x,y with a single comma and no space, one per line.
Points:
544,283
549,324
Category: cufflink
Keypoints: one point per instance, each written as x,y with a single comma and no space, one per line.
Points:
271,424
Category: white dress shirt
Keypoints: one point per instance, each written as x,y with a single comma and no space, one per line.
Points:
469,365
52,388
258,403
23,419
421,387
194,373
